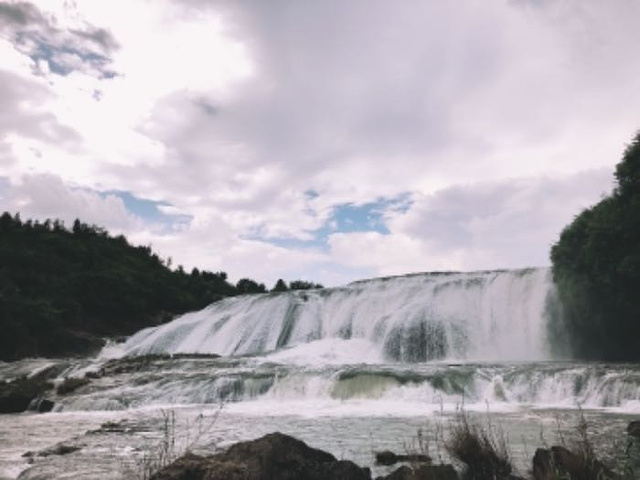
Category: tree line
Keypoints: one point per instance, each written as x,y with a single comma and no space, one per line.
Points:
62,290
596,267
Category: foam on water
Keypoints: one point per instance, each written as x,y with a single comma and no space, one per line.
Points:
329,351
262,384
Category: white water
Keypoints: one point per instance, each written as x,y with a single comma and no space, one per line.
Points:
365,390
402,344
487,316
337,367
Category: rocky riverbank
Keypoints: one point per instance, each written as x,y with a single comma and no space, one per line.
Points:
130,397
472,456
279,456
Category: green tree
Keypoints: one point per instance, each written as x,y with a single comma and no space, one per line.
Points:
246,285
61,291
280,286
303,285
596,266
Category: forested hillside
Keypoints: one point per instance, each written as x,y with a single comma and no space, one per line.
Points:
61,290
596,265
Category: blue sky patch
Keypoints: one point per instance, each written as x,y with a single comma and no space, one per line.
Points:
347,218
149,210
51,53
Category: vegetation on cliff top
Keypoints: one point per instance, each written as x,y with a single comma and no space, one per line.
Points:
596,265
62,290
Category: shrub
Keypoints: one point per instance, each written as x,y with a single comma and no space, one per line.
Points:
482,450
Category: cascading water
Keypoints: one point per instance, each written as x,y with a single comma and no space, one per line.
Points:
410,388
423,339
380,355
486,316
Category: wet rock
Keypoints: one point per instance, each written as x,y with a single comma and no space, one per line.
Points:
41,405
113,427
60,449
196,467
17,395
387,457
633,428
57,449
274,456
402,473
560,462
118,366
570,462
123,426
423,472
543,468
70,385
14,397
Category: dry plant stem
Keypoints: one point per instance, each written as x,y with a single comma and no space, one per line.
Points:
204,426
482,450
170,447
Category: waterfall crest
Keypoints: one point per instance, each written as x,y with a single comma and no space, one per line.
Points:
496,315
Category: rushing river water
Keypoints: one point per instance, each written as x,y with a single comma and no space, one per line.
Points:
374,365
350,410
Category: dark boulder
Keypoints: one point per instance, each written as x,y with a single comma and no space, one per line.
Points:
118,366
274,456
387,457
560,462
196,467
633,428
70,385
543,467
17,395
41,405
423,472
57,449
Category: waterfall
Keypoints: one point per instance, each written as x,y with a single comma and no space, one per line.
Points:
479,316
361,389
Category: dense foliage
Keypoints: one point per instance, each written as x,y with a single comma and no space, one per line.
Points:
596,265
62,290
303,285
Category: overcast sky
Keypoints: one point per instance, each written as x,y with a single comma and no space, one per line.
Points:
326,140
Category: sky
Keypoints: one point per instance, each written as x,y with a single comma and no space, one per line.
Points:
327,141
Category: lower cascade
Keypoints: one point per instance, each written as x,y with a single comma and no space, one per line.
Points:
480,316
257,383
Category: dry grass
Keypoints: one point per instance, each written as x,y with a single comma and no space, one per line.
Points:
593,468
481,449
161,454
174,442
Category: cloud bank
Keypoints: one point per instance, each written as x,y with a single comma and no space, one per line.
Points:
324,140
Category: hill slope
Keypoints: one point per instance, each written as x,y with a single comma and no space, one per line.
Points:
62,290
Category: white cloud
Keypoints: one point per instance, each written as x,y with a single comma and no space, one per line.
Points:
392,254
488,225
232,112
215,245
46,196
